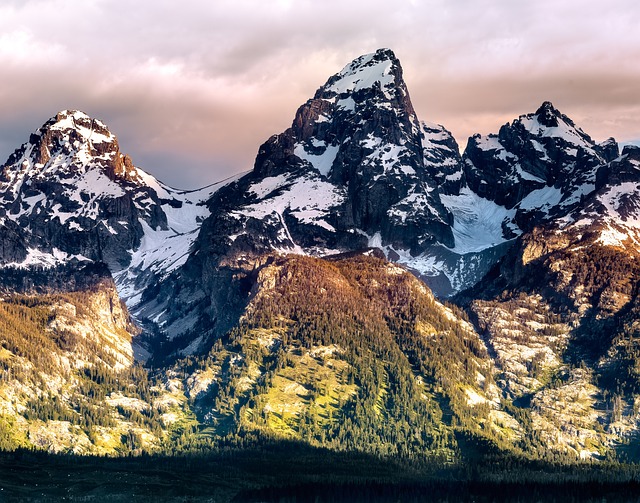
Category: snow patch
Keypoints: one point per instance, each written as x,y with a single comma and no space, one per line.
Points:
46,260
541,199
309,199
322,162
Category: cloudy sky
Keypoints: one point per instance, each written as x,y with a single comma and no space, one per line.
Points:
192,88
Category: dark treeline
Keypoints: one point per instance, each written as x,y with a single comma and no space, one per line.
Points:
291,471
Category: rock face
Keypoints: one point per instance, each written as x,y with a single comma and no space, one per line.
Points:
441,156
621,175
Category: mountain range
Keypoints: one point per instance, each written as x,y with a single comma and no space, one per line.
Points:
366,286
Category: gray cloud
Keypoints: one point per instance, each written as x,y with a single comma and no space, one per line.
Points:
193,88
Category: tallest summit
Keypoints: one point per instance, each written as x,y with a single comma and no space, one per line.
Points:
360,136
380,69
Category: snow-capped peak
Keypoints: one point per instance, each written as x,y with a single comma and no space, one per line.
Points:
547,121
68,145
71,182
547,114
69,193
366,71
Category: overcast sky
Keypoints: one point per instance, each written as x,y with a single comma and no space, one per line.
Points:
192,88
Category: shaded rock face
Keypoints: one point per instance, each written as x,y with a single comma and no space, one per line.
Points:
12,245
69,188
619,170
625,173
441,156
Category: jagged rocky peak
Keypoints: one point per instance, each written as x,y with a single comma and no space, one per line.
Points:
548,121
541,163
89,128
67,144
70,130
609,149
379,72
360,135
632,152
548,115
367,94
70,192
442,158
